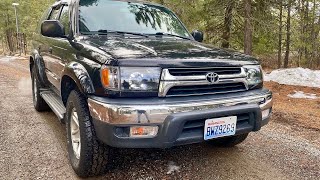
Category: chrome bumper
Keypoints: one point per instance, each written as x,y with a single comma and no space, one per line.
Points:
120,113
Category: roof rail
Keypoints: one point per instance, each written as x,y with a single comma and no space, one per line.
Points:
58,4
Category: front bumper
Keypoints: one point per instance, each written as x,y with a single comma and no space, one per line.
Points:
180,120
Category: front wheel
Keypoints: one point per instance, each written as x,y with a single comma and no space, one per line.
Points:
229,141
88,156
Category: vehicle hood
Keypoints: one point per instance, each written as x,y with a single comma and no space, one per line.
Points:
165,52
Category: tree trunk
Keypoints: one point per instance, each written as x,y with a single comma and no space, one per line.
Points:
8,33
317,43
286,59
280,35
227,24
306,28
313,36
247,28
302,31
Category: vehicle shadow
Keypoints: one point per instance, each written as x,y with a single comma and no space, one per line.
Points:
57,127
182,162
174,163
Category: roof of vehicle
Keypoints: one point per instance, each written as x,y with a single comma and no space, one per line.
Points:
133,1
59,2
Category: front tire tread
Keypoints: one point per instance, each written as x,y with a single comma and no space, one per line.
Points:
95,156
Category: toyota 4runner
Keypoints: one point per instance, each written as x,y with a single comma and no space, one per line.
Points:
128,74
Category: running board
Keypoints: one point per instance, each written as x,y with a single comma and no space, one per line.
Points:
55,103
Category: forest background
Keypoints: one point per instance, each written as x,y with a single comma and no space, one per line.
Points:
281,33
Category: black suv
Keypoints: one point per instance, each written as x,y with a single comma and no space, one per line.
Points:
128,74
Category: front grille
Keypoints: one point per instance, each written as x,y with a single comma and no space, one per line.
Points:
204,71
193,81
206,89
196,127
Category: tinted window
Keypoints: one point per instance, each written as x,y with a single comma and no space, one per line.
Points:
123,16
64,19
54,14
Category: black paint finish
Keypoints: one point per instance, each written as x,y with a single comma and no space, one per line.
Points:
79,57
163,52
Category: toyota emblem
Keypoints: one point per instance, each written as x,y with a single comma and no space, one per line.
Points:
212,77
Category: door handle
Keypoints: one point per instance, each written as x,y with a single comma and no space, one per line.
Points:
50,50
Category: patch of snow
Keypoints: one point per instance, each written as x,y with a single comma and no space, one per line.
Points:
8,58
302,95
295,76
172,167
11,58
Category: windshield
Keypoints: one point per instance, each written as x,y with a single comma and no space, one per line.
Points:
120,16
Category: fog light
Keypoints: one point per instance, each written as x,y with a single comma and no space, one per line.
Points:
143,131
265,113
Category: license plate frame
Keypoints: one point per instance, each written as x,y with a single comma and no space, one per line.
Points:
220,127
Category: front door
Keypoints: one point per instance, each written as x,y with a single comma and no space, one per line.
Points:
54,54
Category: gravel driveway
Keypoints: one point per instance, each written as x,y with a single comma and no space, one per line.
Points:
33,146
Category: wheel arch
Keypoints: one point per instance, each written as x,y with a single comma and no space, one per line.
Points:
36,61
31,63
75,76
32,58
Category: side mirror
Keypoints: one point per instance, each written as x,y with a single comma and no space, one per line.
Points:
52,28
197,35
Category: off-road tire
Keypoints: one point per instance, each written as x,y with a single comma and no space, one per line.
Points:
229,141
94,156
39,103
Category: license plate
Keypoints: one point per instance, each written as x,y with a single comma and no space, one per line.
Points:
220,127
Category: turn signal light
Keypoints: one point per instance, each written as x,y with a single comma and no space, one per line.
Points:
109,77
105,77
143,131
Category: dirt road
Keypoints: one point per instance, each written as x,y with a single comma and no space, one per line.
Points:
33,145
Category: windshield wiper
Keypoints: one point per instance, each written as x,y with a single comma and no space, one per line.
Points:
90,32
106,32
121,33
167,34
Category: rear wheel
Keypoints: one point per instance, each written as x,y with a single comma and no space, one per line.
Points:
229,141
38,102
88,156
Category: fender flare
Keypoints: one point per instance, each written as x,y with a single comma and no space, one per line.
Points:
78,73
40,67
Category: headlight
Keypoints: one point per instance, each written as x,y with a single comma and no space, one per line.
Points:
131,78
254,75
139,78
